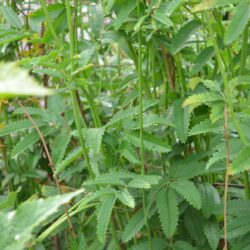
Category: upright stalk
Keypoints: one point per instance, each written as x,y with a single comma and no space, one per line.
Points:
49,21
77,114
140,80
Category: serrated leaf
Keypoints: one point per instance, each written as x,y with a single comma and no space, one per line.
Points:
187,170
204,98
103,216
238,226
10,200
161,14
59,146
158,244
210,4
22,222
204,127
211,231
242,161
188,190
72,156
94,138
220,151
125,197
14,36
181,118
139,183
209,198
124,13
181,245
135,224
180,39
28,141
17,126
128,152
193,223
11,17
104,180
239,81
151,142
166,202
238,23
201,60
130,112
217,111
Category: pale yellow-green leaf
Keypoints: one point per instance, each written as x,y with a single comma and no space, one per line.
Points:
15,81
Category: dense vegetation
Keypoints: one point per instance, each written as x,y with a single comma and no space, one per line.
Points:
124,124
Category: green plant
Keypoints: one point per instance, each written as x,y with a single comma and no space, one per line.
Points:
143,105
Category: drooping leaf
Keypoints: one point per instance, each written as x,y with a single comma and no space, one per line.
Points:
166,203
180,39
238,23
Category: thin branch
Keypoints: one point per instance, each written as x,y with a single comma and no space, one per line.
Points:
170,72
51,165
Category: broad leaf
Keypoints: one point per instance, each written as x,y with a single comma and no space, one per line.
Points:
238,23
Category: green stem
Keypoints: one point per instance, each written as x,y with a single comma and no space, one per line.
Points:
76,108
140,78
114,234
49,21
